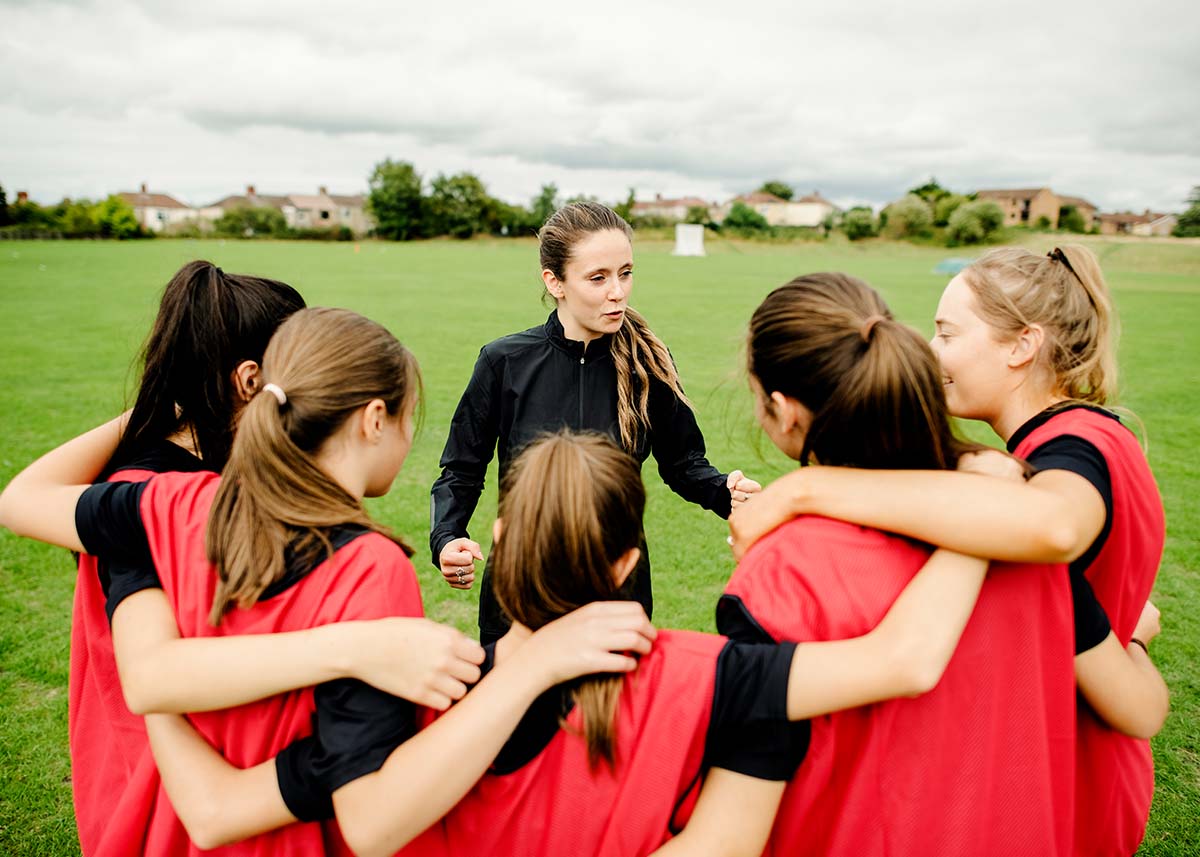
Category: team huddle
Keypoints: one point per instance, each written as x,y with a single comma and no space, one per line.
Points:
927,646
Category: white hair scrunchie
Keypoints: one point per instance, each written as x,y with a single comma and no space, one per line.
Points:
276,391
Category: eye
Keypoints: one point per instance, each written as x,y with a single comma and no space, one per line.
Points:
597,278
627,274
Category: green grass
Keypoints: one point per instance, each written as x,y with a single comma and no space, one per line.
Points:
73,314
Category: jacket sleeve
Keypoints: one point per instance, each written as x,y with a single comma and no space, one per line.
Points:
469,448
678,448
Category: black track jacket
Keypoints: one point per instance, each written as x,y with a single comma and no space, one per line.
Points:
536,381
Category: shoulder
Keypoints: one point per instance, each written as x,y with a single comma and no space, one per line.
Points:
513,345
371,577
174,488
1096,425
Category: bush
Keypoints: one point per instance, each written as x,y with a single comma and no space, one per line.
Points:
974,222
697,214
946,207
114,218
744,218
1042,222
247,222
859,223
1071,220
394,200
907,218
1189,222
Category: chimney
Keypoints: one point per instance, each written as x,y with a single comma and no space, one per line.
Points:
22,196
143,187
322,191
658,197
250,190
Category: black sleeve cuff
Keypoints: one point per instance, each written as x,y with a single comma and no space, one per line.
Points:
124,579
1091,622
109,522
302,792
358,727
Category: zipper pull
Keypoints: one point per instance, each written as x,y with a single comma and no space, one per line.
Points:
580,361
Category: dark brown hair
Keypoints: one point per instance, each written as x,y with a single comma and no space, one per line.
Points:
1065,294
273,494
638,354
208,323
873,385
571,507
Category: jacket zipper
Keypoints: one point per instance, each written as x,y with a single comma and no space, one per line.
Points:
581,365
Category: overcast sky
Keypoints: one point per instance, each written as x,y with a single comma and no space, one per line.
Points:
859,100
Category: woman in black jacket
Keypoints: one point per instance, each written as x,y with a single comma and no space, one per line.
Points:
594,365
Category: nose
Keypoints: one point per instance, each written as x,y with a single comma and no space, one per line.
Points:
616,291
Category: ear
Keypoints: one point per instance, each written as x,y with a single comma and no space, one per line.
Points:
553,286
497,528
625,564
790,413
1026,346
246,379
373,420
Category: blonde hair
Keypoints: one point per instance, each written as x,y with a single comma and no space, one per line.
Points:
638,354
1064,293
572,506
273,495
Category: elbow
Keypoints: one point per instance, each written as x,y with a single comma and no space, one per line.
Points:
919,666
364,838
140,697
1151,722
8,510
205,826
1059,540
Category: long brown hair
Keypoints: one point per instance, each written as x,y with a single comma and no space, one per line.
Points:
273,496
638,354
571,507
208,322
873,385
1063,292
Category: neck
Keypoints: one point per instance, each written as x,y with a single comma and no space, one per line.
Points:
340,464
511,641
1020,408
572,329
185,439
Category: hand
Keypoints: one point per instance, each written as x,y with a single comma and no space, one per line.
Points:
740,488
600,637
992,462
415,659
1148,626
457,562
752,519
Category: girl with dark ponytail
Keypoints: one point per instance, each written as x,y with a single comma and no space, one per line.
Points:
277,548
595,365
1026,343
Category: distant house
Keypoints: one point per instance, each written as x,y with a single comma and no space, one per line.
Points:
1025,206
668,209
808,210
156,211
321,210
1146,224
1085,209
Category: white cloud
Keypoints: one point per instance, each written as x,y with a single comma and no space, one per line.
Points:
859,101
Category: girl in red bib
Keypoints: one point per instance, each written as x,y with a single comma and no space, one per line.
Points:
282,544
1025,344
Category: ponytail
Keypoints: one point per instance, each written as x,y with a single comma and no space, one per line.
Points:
638,354
873,385
274,500
208,322
1065,294
571,507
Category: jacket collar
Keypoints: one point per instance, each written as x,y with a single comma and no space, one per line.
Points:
557,336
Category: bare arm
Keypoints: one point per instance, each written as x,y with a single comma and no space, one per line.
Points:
432,770
415,659
217,803
1123,687
1052,518
732,818
39,503
904,655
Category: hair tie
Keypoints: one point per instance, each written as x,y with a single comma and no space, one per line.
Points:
220,273
868,326
276,391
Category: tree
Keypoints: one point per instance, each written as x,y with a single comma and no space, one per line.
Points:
544,204
745,218
906,218
625,209
974,222
1189,222
780,189
1071,220
4,217
115,218
944,207
457,205
75,218
931,191
859,222
246,222
394,200
697,214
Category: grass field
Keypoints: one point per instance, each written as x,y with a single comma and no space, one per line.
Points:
72,316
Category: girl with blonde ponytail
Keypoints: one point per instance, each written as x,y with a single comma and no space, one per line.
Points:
595,365
279,554
1026,343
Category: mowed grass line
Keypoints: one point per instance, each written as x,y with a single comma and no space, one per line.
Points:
73,314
